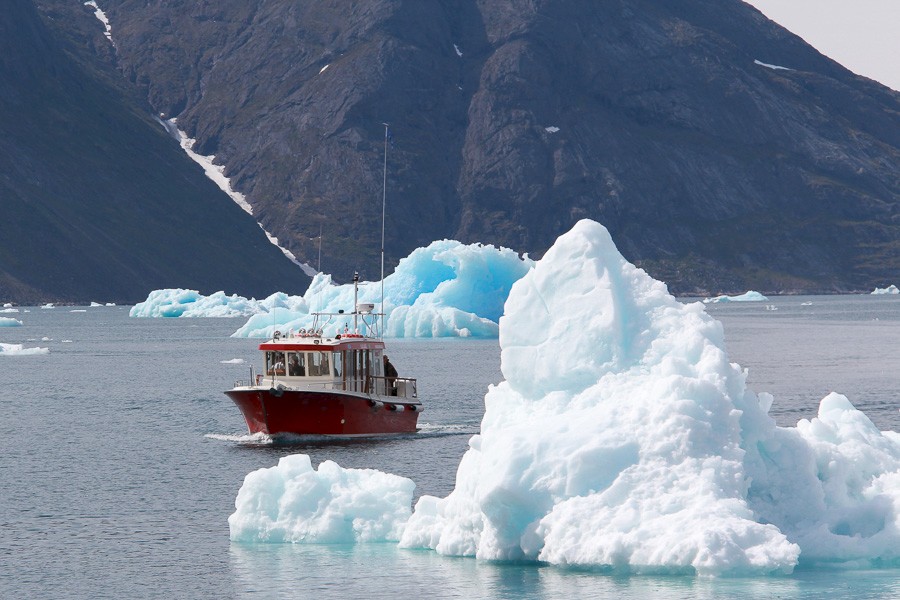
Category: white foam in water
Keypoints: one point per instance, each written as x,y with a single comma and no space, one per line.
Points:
623,437
447,289
255,439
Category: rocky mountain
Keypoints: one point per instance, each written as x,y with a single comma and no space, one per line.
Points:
722,152
97,202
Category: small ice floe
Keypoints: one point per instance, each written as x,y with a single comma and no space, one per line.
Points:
9,310
110,304
20,350
79,310
771,307
10,322
768,66
66,341
458,51
46,339
322,70
233,361
750,296
891,289
551,129
809,303
48,305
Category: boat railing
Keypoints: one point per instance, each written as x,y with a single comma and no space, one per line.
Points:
404,387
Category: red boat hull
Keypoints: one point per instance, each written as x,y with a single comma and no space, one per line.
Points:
323,413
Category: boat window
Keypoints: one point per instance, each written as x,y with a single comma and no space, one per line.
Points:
297,364
274,363
336,358
318,364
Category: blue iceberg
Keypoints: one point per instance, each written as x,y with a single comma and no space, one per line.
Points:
447,289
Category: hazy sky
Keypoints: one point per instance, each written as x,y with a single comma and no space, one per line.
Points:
862,35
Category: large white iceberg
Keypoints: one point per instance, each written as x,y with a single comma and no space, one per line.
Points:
446,289
10,322
622,437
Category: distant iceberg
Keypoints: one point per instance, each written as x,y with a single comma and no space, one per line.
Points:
891,289
9,322
750,296
191,303
20,350
447,289
623,438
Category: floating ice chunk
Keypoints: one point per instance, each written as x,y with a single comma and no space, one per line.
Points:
292,502
9,310
190,303
233,361
891,289
750,296
551,129
9,322
458,51
20,350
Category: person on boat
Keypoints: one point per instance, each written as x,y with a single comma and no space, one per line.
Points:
294,367
278,367
390,375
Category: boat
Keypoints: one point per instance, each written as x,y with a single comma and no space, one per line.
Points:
333,385
342,384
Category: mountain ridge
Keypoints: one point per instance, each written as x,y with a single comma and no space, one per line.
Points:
665,121
98,202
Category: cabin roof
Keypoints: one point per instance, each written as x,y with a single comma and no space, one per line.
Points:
312,344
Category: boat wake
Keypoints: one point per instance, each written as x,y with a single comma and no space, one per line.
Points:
436,430
426,430
250,439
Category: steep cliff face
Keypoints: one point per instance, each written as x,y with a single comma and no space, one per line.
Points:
98,203
721,151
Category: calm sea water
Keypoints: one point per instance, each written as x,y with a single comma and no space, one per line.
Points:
120,458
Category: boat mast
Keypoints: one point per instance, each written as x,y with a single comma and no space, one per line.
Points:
383,202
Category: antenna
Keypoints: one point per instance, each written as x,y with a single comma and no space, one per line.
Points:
383,203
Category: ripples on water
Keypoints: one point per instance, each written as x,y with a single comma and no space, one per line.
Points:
120,458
